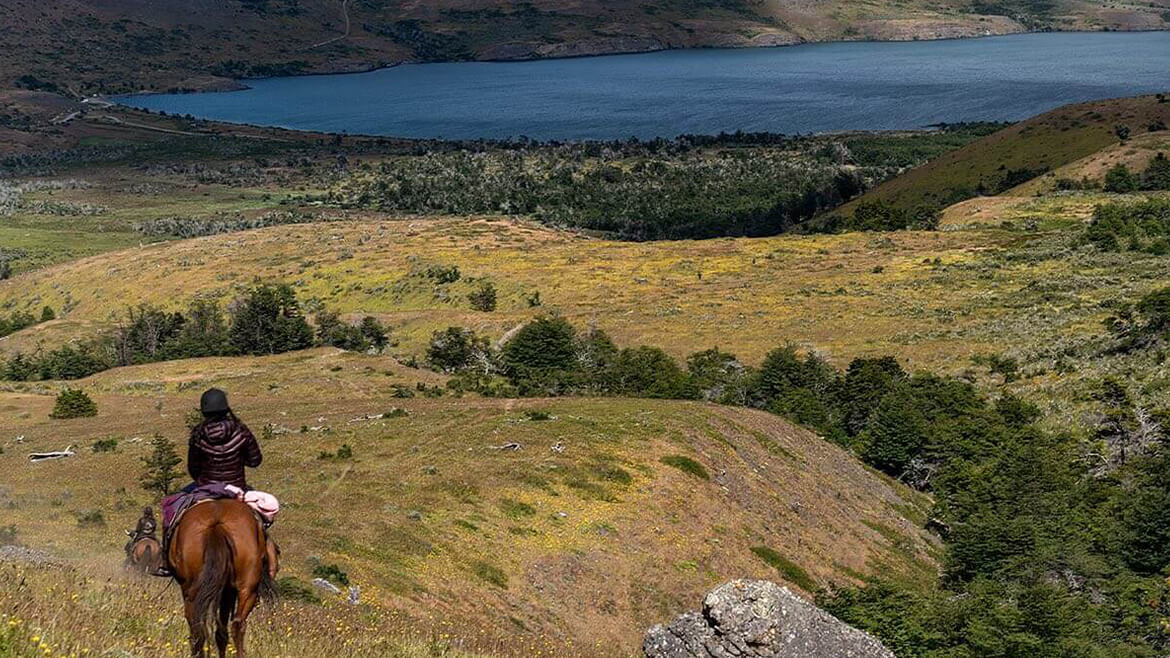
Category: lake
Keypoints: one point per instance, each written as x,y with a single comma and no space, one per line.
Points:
799,89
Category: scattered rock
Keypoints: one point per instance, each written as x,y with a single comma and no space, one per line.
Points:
414,515
759,619
28,556
355,595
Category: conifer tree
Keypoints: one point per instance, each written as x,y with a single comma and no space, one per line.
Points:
160,469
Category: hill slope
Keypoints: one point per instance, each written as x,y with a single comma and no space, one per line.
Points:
121,45
1020,152
572,550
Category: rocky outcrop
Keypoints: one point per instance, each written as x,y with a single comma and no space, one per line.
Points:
759,619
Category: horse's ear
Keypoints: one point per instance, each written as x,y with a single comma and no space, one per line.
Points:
129,533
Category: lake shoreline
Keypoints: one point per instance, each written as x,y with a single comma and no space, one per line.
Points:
893,85
215,84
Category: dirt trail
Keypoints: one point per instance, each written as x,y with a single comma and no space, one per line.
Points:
345,16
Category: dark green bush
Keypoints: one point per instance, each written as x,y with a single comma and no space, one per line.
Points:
73,403
332,573
269,321
289,587
105,445
483,298
1120,179
791,571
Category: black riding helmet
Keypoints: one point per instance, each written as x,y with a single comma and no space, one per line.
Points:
214,401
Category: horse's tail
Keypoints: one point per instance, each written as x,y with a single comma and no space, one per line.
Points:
216,575
268,590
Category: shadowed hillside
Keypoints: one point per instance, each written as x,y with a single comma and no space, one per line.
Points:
77,46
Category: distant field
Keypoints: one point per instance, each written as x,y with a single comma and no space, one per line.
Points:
572,551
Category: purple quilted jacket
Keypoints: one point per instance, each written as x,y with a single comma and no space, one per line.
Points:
219,450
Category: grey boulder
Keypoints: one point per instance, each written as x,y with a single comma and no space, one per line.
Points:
759,619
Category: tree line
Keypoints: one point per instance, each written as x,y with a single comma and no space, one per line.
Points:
268,319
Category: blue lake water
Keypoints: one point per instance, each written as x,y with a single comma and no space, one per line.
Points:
801,89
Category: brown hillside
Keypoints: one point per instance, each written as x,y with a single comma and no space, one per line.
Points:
122,45
1038,145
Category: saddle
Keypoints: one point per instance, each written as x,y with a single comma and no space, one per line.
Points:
263,505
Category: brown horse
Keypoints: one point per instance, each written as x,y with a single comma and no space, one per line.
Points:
143,554
218,556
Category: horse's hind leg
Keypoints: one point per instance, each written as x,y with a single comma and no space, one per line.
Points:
244,604
227,603
195,626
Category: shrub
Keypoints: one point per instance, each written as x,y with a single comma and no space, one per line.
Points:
455,349
442,273
332,331
332,573
516,509
537,415
718,376
686,465
791,571
1129,226
542,356
293,589
1157,175
73,403
1121,180
374,332
650,372
91,519
70,362
483,298
47,314
8,535
490,573
105,445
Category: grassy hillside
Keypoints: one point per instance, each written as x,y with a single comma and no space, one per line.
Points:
1020,152
79,46
614,513
641,507
1027,290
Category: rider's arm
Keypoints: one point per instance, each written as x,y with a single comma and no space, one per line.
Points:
194,461
252,456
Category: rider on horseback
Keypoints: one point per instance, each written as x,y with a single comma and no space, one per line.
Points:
221,446
219,450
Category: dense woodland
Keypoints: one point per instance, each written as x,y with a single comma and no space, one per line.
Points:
690,187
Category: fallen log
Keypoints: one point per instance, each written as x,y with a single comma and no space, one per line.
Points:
42,456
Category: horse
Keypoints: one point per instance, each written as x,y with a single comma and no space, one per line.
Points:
218,555
143,554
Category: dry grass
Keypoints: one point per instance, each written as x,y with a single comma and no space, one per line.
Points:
94,608
1025,289
523,552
